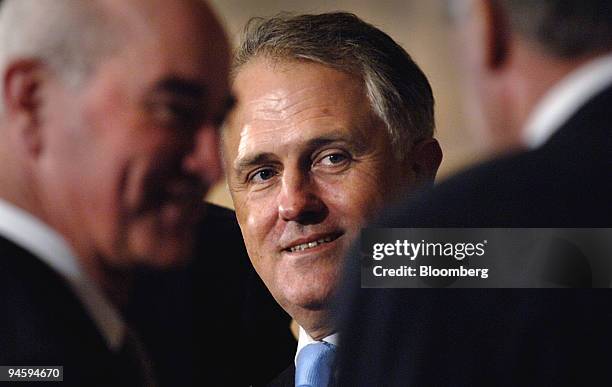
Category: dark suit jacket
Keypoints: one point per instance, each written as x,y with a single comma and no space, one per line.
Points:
285,378
43,323
510,337
213,322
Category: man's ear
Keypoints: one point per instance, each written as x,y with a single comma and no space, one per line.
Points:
496,31
425,159
22,103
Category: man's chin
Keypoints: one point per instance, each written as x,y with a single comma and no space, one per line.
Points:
163,253
315,301
313,287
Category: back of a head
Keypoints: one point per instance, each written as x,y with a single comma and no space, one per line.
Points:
563,28
397,89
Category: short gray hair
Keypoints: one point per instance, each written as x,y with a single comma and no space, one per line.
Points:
68,35
398,90
565,28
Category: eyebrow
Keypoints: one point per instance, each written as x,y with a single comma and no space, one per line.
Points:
267,157
193,90
324,140
256,159
228,106
183,87
230,103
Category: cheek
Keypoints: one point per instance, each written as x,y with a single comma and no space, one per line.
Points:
146,167
355,198
257,216
108,209
131,185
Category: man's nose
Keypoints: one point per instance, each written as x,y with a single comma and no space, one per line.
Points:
299,200
204,159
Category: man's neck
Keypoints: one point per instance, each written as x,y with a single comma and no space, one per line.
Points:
50,247
320,334
317,324
305,339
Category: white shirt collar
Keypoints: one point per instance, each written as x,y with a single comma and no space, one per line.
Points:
305,339
566,98
42,241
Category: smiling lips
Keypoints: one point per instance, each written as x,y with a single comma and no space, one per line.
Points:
309,245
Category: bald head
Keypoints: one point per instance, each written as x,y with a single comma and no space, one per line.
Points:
68,35
72,36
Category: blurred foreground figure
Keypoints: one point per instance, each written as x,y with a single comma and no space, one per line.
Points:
216,301
334,119
109,118
539,75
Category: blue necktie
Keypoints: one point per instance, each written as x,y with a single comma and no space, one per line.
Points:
315,365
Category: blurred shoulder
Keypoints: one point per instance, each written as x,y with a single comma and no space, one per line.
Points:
484,195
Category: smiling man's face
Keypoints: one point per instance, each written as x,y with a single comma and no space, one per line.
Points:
134,149
308,163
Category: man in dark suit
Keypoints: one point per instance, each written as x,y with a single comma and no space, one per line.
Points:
331,109
542,76
215,313
102,103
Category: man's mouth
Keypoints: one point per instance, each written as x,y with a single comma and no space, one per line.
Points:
312,244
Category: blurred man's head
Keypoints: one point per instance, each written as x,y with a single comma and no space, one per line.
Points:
109,116
334,119
513,51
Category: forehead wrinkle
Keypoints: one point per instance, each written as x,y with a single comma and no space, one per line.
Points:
261,135
273,119
266,139
281,105
243,144
270,146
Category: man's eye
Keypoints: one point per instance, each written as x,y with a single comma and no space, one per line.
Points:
183,116
333,159
177,115
262,175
